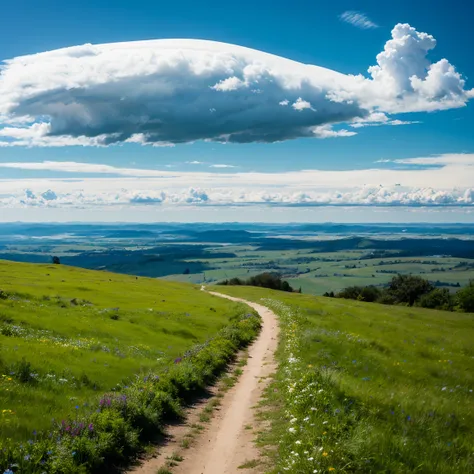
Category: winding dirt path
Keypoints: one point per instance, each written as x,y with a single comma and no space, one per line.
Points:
229,439
229,443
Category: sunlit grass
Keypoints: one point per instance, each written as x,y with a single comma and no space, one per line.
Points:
369,388
75,334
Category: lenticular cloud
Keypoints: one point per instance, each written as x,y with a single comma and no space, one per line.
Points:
164,92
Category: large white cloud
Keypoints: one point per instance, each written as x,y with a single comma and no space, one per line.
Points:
450,179
164,92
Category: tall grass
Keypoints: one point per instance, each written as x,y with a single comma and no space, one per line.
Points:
67,335
93,364
116,424
369,388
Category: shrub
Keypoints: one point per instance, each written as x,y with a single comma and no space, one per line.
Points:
350,293
361,293
386,298
439,298
465,298
264,280
24,372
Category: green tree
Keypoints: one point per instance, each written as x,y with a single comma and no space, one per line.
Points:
465,298
408,288
439,298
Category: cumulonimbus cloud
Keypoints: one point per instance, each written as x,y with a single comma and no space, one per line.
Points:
165,92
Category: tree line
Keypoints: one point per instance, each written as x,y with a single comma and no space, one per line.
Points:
412,291
264,280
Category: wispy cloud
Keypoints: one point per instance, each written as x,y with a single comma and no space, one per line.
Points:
376,119
85,168
222,166
457,160
166,92
358,19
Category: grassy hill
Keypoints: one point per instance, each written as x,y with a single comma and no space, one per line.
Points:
68,336
363,387
92,364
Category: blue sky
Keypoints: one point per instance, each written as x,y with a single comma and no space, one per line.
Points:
307,32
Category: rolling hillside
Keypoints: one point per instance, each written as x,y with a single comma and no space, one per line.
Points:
93,365
71,337
363,387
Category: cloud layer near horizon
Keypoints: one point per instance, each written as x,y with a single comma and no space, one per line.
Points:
451,179
164,92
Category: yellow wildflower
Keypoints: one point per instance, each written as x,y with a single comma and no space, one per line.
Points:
325,454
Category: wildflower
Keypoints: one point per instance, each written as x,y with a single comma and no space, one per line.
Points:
332,469
292,430
325,454
298,442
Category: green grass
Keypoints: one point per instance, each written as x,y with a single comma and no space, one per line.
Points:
368,388
324,271
81,349
249,464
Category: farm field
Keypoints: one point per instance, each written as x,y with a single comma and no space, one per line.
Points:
317,258
363,387
317,273
68,335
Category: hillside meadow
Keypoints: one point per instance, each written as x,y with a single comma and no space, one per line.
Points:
73,340
363,387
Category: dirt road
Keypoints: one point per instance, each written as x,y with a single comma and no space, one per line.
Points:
229,441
